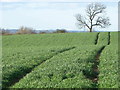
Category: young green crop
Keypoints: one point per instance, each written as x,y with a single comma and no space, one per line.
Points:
114,38
48,40
108,77
103,38
19,61
64,70
59,60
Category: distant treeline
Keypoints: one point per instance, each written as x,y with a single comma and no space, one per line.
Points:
27,30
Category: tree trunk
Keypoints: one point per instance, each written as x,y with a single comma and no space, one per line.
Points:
90,29
91,26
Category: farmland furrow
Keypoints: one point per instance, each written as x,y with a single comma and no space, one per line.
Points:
22,76
108,38
97,37
95,66
93,74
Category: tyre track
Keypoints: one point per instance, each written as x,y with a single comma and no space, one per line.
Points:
97,37
109,38
94,71
93,74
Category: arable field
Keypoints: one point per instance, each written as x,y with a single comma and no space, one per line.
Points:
62,60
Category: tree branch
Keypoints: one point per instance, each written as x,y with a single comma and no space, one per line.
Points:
92,11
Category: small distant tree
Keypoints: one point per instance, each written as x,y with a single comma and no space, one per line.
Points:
60,31
25,30
94,17
4,32
43,32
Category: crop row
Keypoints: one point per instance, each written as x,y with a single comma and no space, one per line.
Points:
19,61
0,75
114,38
49,40
103,38
108,67
65,70
39,61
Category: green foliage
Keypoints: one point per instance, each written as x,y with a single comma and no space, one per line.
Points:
19,61
114,38
108,77
59,60
103,38
48,40
64,70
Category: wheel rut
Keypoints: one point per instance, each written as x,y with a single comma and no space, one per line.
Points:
108,38
94,70
97,37
93,74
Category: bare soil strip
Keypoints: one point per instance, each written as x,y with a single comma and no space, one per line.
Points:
97,37
94,71
108,38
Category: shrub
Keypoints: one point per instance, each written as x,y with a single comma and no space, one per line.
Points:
4,32
25,30
42,32
60,31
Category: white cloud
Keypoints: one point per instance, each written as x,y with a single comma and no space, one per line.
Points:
59,0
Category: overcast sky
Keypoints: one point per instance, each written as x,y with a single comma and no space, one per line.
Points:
50,14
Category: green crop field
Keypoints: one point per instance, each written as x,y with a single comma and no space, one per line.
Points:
60,60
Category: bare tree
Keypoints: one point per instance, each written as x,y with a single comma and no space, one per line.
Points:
25,30
94,17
